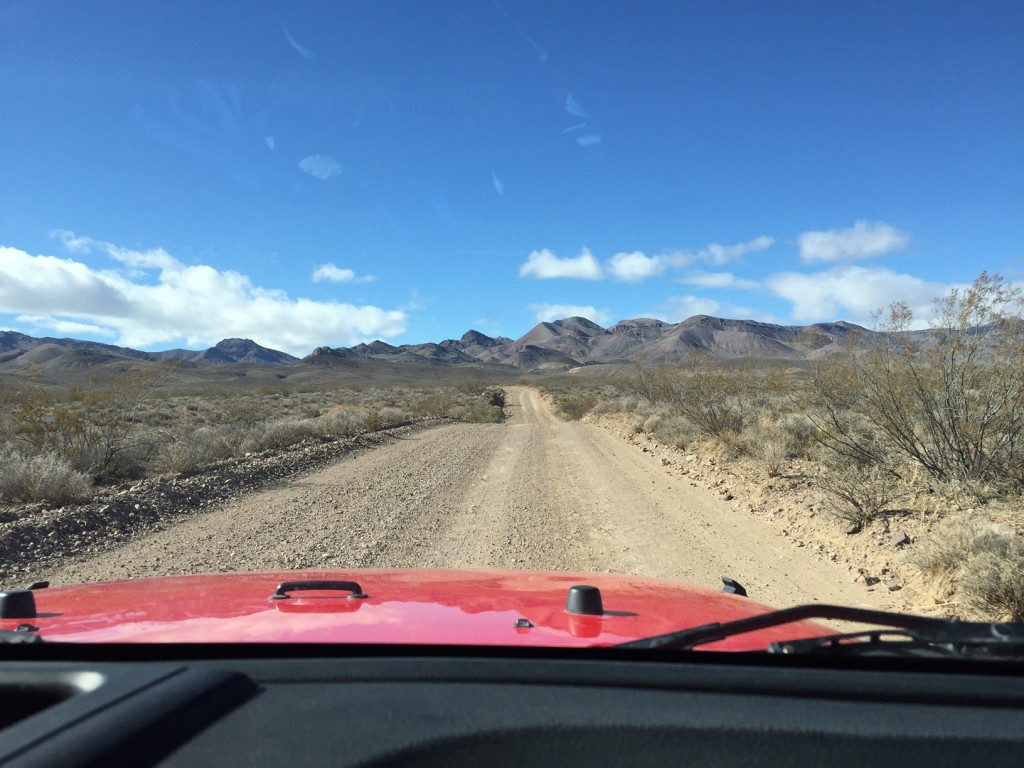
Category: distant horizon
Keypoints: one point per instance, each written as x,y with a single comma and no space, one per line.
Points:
419,343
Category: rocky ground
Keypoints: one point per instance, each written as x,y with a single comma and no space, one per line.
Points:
35,538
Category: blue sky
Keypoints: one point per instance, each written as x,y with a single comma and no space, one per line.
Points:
324,173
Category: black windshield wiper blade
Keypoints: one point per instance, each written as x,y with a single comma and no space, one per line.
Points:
954,639
18,637
688,639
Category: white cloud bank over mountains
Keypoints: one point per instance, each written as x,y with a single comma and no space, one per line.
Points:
160,300
545,313
853,293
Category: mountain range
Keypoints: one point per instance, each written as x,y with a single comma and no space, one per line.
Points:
576,341
20,352
557,345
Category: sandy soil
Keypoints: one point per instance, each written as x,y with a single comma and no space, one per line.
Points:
534,493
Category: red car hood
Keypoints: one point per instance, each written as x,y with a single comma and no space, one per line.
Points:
446,607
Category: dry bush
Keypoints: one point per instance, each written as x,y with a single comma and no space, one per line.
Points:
774,443
981,562
858,492
716,398
340,423
479,412
728,445
675,431
574,406
955,407
39,477
993,579
800,434
436,404
651,423
771,449
279,433
94,431
374,420
392,416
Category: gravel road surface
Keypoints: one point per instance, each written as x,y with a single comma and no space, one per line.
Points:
533,493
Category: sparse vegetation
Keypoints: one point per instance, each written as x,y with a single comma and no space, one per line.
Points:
56,443
858,492
39,477
978,561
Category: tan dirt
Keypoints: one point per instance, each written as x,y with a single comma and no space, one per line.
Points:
534,493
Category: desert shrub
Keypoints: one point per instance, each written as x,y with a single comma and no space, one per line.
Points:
675,431
858,492
714,397
993,578
197,448
980,562
728,445
771,449
574,406
800,434
478,411
279,433
340,423
39,477
607,405
391,415
94,431
436,404
373,421
955,407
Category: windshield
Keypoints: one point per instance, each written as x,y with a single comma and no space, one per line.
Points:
713,307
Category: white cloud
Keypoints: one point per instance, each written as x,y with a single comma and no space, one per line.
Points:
197,303
64,326
679,308
573,107
303,52
499,186
338,275
545,265
589,140
719,280
723,254
751,313
545,313
634,267
861,241
322,167
71,242
270,141
853,293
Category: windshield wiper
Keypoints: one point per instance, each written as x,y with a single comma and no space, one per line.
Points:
19,636
919,635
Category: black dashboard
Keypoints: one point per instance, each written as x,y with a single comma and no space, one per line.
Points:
276,706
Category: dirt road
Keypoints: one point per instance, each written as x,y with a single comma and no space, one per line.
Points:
534,493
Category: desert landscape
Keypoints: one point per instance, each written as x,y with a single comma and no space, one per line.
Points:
806,463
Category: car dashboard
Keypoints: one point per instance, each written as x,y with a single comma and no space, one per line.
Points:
416,706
